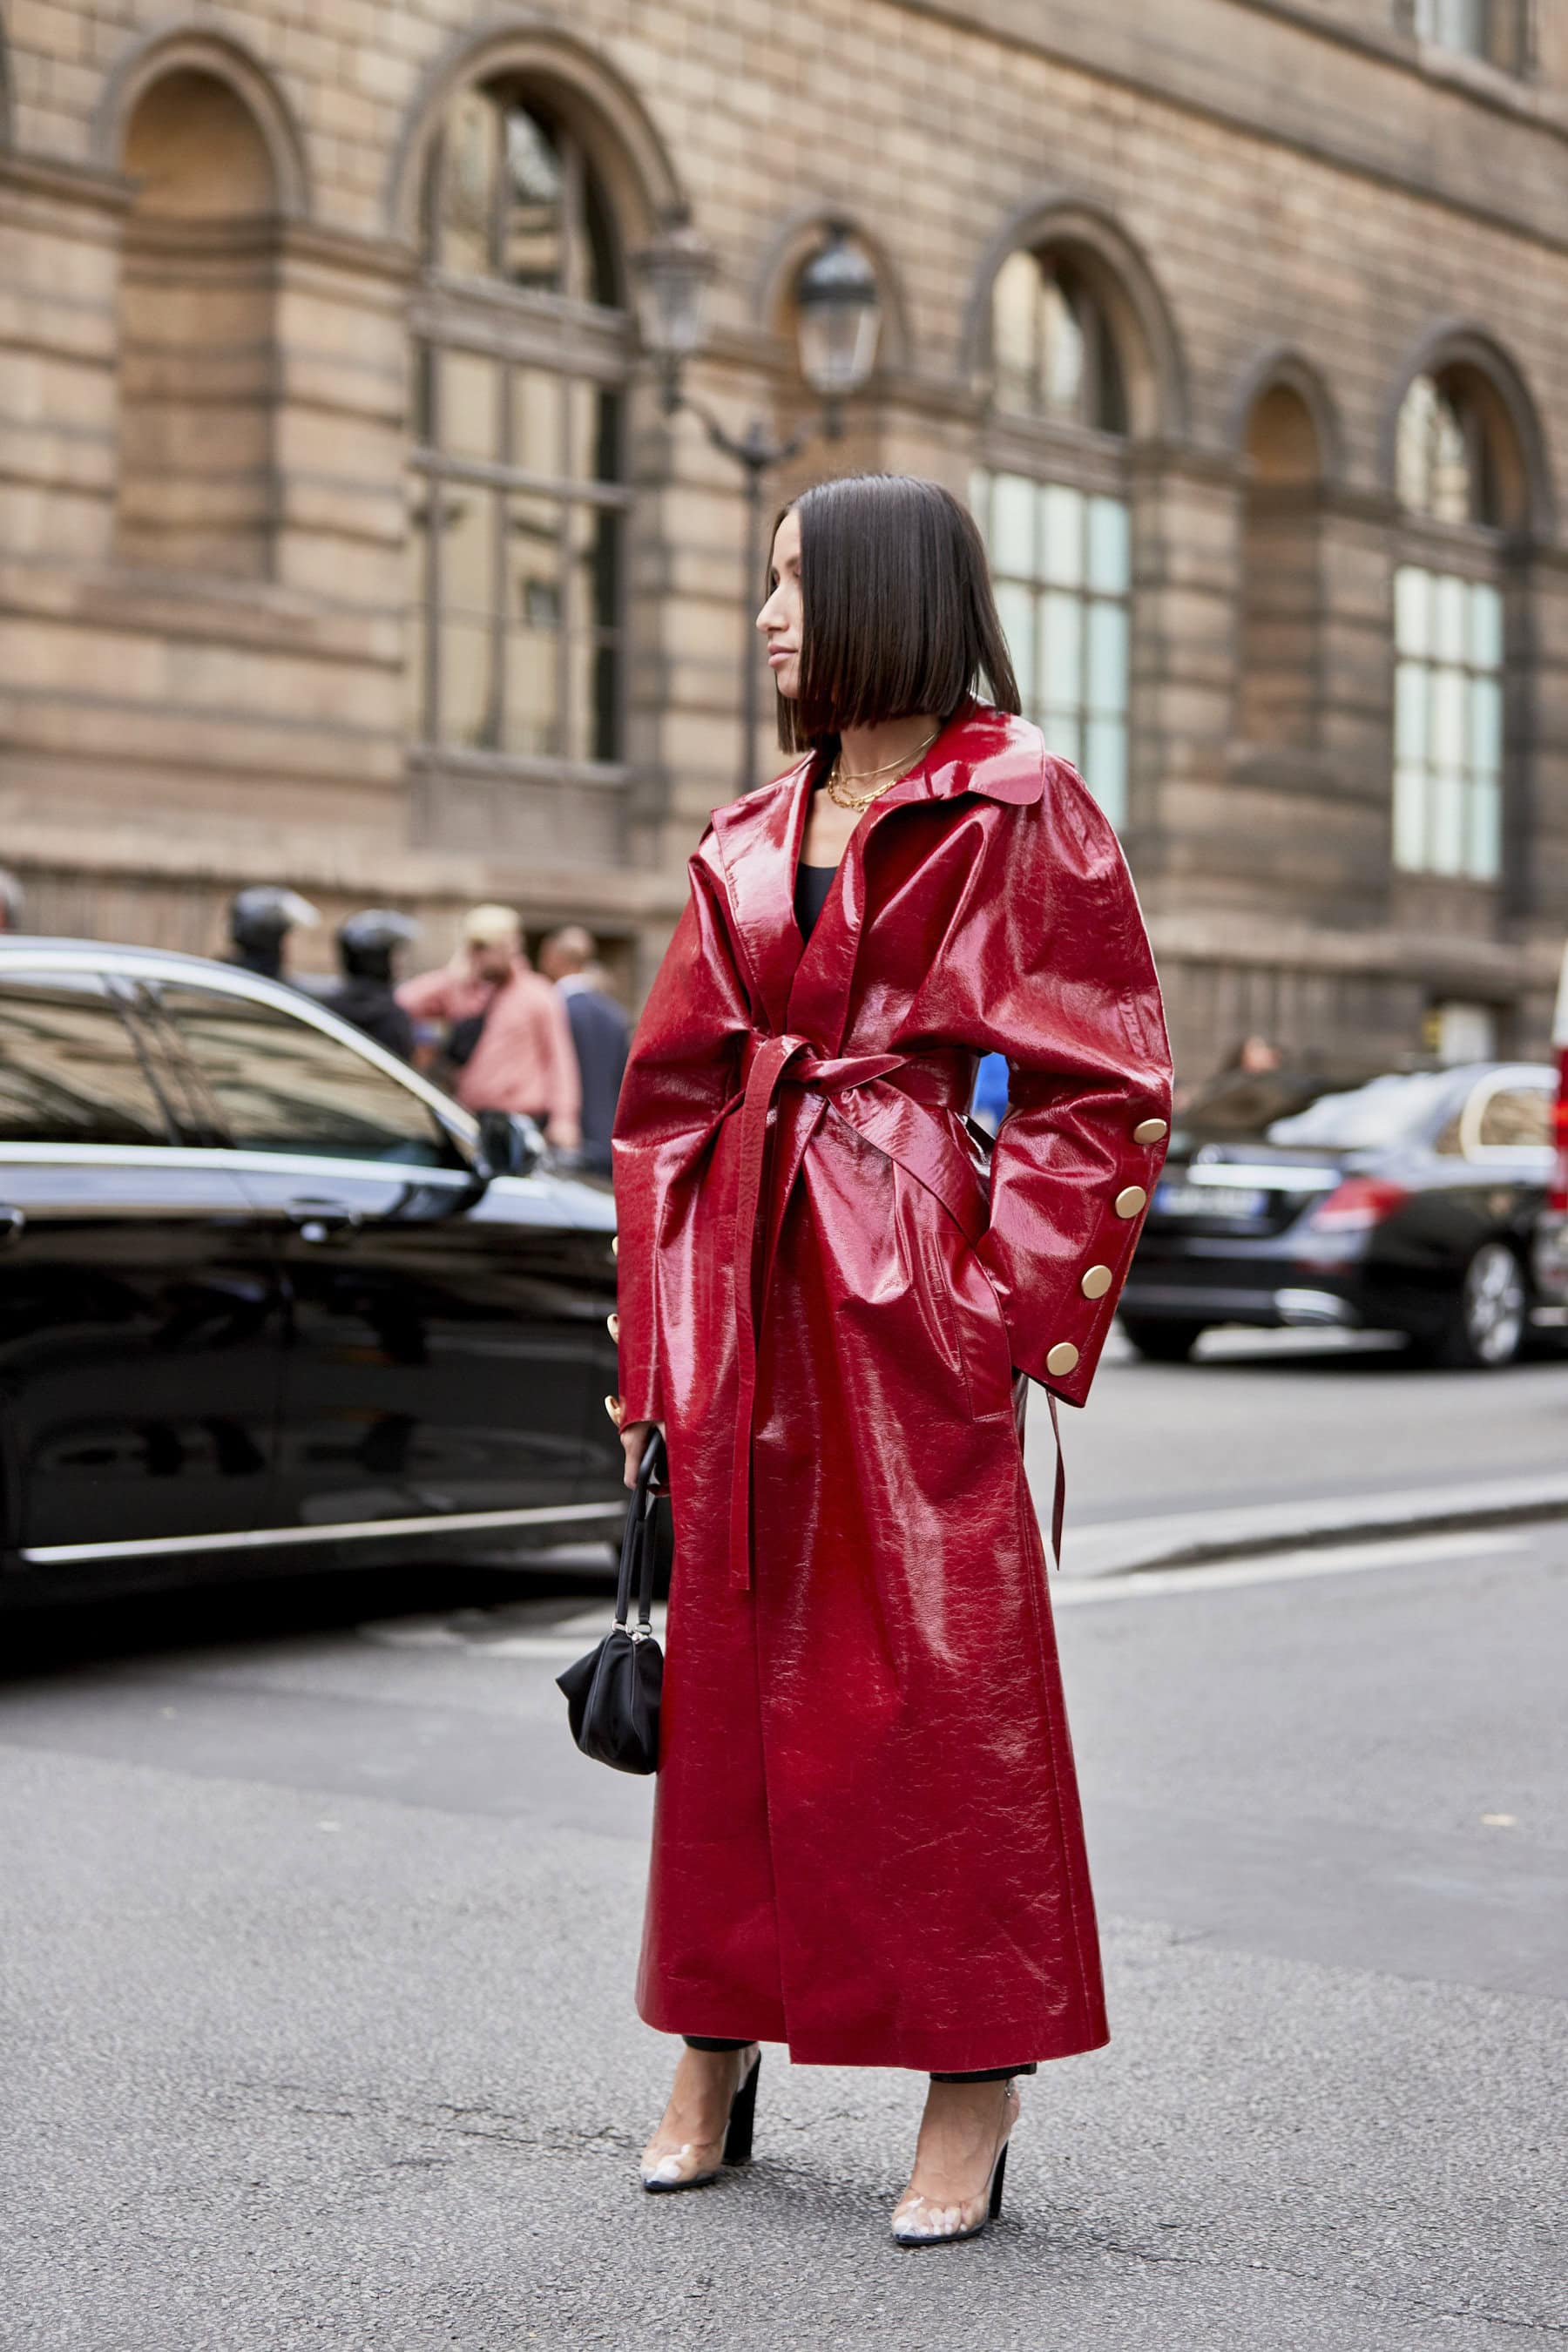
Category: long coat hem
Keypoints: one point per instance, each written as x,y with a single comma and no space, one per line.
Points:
923,2053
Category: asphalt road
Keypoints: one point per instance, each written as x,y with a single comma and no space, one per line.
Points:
1260,1415
317,1943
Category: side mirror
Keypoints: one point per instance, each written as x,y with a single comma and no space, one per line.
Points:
510,1143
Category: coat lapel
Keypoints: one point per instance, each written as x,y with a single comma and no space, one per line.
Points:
758,840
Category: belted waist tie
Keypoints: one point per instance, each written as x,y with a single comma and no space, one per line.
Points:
890,1099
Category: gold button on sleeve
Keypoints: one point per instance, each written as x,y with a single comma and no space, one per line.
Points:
1130,1200
1061,1358
1096,1281
612,1325
614,1245
1150,1130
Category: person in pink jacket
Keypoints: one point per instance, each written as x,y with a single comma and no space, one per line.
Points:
490,998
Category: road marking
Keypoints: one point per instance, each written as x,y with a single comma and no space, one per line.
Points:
1281,1567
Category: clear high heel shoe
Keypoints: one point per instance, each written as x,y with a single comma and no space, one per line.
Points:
689,2166
918,2222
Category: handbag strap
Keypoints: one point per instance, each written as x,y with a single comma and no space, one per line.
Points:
639,1540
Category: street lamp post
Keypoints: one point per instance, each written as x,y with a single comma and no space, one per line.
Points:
839,318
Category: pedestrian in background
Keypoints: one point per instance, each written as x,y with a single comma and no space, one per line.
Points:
12,901
600,1035
259,921
867,1836
366,995
506,1032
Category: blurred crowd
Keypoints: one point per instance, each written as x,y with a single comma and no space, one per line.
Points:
500,1032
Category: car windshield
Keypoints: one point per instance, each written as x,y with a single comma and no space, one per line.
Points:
1292,1108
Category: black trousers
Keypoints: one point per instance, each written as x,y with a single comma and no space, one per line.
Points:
981,2074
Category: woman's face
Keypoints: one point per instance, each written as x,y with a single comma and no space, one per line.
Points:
780,618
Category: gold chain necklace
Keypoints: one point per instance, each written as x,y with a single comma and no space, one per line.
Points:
858,803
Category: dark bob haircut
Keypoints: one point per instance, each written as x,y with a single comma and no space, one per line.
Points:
898,617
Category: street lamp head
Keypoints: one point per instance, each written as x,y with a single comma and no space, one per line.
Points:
840,316
672,276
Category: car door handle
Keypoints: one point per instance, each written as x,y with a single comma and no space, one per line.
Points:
13,1225
321,1221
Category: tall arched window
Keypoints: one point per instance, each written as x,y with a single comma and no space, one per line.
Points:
1052,504
1455,478
519,494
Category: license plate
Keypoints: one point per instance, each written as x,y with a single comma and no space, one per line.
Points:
1174,1199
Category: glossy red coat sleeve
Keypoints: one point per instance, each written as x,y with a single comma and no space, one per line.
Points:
681,1074
1070,997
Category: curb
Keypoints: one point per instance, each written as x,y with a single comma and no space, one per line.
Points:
1191,1539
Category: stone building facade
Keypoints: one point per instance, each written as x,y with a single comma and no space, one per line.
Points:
343,540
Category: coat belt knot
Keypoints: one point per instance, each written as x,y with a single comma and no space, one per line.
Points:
907,1120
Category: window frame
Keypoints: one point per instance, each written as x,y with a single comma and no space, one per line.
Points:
1507,38
1468,575
578,342
1040,586
1474,552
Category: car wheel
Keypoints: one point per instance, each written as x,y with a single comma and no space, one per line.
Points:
1487,1326
1164,1341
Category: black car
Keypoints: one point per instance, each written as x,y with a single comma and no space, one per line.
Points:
1405,1203
266,1295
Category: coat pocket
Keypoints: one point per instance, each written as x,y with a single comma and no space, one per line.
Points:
966,1309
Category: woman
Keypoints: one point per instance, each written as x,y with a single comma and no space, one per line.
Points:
866,1837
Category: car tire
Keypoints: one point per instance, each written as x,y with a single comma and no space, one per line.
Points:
1163,1340
1487,1323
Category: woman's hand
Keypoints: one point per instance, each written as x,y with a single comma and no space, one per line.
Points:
633,1443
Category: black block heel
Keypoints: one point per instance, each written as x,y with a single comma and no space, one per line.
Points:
736,2149
742,2117
992,2210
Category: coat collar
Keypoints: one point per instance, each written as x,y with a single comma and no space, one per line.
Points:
757,840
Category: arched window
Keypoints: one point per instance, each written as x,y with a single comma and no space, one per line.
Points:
1053,354
1457,477
197,385
1052,504
519,493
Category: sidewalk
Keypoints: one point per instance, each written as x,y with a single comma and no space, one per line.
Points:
1184,1538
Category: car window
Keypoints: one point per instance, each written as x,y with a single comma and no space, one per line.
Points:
69,1070
1516,1118
1499,1119
277,1084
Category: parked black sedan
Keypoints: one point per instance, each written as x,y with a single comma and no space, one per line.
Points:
267,1296
1405,1203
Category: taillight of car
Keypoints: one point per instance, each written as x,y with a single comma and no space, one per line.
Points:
1356,1205
1557,1199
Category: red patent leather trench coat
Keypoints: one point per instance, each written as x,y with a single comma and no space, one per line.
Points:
868,1842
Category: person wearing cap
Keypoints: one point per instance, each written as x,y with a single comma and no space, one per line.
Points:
367,945
259,921
515,1046
600,1033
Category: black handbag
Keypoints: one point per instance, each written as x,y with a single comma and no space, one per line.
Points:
612,1694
